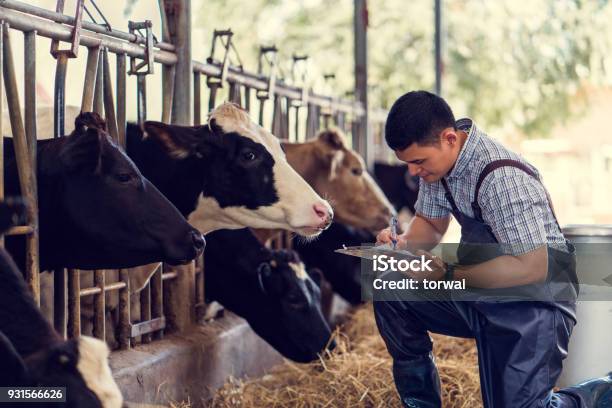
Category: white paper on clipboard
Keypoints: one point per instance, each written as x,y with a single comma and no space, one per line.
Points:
368,252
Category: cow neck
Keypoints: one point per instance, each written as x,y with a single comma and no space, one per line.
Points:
299,156
179,180
20,320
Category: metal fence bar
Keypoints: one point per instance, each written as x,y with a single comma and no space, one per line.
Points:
96,28
24,166
124,311
98,104
157,299
145,310
261,83
141,91
99,324
109,100
49,29
197,99
91,71
167,92
74,303
121,98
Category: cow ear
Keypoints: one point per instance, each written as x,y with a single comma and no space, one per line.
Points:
332,139
82,151
179,141
13,370
316,275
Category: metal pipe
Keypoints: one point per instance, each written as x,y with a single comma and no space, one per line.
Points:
109,100
99,329
258,82
438,45
74,303
50,29
197,99
124,310
121,98
91,71
141,96
179,27
157,299
59,102
24,166
167,92
98,102
169,275
64,19
145,310
96,290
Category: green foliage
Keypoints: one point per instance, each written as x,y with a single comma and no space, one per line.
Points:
522,65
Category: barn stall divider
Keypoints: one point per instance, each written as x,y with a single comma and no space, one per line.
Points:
168,301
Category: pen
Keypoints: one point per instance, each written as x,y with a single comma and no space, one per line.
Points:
393,226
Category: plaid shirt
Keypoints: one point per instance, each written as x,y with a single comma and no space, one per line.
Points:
513,203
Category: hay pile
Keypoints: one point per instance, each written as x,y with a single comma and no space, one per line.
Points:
357,374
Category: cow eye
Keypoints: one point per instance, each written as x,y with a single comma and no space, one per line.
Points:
248,156
123,177
356,171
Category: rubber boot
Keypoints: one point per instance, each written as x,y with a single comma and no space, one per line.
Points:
418,383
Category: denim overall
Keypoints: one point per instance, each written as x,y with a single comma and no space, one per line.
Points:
521,344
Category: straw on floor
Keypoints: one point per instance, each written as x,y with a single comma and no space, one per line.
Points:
356,374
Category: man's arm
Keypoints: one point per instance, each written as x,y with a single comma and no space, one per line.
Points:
507,270
422,233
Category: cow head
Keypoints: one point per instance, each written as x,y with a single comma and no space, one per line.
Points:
270,289
246,178
80,365
294,302
337,172
106,203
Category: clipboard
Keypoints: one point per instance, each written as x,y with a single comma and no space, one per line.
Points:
368,252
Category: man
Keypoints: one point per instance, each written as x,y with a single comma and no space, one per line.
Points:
511,243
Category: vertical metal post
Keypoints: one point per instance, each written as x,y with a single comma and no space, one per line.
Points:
99,326
438,44
141,91
167,92
59,102
24,166
197,98
124,310
74,303
91,71
361,75
178,14
109,103
29,42
98,106
121,98
145,309
157,299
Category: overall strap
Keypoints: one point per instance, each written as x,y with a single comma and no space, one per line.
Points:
494,165
450,198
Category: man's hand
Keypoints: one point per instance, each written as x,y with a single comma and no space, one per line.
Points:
437,266
384,237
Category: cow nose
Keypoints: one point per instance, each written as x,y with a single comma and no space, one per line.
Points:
198,240
324,213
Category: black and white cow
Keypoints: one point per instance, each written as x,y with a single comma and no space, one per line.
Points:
231,169
32,354
270,289
96,210
398,185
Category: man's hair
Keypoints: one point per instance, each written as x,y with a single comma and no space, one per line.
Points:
417,117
